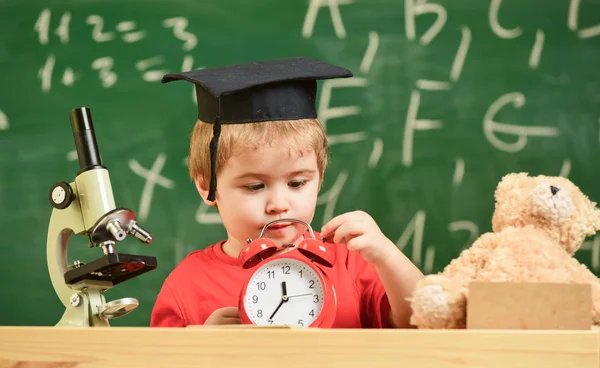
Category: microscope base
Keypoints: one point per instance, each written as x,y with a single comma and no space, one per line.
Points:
83,310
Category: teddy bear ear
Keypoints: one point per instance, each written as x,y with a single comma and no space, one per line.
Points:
510,180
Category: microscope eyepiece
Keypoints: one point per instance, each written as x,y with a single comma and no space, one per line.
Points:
85,139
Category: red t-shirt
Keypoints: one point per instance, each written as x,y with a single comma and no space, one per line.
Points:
209,279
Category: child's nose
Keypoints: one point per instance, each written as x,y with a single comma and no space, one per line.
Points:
277,203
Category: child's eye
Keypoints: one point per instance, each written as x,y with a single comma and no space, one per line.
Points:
254,187
297,183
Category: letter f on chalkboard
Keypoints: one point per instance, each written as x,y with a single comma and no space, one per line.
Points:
412,124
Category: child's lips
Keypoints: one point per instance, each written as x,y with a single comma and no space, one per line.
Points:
279,225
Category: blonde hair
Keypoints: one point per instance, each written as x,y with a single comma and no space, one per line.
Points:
298,136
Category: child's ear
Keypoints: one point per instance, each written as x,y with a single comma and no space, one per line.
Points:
203,191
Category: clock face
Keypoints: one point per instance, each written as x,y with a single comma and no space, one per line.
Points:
284,292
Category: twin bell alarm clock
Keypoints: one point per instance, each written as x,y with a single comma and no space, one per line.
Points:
287,288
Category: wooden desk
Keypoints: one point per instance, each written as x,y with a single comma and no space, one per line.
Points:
284,348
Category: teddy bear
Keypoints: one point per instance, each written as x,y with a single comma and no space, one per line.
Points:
538,223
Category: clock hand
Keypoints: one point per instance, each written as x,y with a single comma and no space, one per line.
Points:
284,298
276,309
295,296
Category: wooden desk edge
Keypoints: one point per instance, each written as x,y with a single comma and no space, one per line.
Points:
276,347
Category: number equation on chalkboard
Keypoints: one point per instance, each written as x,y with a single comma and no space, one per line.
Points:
151,68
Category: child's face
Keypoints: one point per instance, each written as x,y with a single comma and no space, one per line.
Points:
262,185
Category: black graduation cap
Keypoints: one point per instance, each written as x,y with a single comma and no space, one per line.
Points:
282,89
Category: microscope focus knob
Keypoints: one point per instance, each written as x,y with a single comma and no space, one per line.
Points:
61,195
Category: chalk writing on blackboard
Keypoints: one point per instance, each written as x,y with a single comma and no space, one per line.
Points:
468,226
179,25
573,22
104,69
565,170
331,196
459,172
153,177
151,75
375,153
413,123
365,65
336,18
4,125
431,85
126,29
415,8
103,65
499,30
536,51
42,27
206,217
415,230
429,259
517,31
325,111
461,53
522,132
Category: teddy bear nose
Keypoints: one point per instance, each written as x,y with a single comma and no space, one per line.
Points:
554,189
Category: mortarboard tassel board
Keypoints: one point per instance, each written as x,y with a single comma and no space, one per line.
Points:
283,89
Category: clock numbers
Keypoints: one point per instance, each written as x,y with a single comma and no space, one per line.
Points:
284,292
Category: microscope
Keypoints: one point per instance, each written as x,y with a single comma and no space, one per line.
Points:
87,207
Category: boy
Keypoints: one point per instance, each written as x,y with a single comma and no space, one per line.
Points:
257,133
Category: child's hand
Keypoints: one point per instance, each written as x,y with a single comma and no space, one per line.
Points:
224,316
360,233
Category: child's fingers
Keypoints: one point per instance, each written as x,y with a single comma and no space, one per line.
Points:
356,244
331,226
232,321
346,232
230,312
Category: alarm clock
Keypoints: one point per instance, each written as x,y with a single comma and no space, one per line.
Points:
287,288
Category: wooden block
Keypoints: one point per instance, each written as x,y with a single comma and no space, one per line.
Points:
529,306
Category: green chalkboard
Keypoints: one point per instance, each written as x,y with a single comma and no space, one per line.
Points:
448,96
